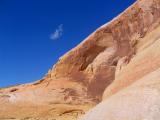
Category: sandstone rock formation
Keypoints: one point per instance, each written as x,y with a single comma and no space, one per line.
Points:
118,64
134,94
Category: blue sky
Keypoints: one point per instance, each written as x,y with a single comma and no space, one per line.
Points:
35,33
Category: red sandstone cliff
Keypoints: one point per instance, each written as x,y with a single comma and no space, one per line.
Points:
118,63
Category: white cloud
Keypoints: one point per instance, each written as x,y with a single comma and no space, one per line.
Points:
57,33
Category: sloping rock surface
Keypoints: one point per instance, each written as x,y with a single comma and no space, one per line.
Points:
118,64
134,94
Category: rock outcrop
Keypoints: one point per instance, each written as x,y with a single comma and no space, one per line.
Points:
134,94
118,64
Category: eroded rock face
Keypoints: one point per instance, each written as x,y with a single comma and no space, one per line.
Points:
116,62
134,94
140,101
90,59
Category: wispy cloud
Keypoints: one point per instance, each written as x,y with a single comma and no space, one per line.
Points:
57,33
